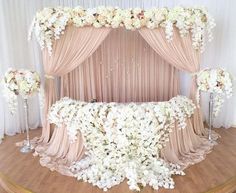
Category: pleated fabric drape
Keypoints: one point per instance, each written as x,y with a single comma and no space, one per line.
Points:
124,68
180,53
68,52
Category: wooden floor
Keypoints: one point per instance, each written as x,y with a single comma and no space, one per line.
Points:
24,169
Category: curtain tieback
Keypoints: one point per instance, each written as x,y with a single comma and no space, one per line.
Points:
47,76
194,74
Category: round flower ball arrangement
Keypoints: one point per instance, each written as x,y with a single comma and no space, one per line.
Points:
24,83
219,83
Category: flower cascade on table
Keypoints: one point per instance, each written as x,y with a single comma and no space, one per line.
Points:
216,81
19,82
50,23
123,140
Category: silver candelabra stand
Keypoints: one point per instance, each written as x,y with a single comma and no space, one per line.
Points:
27,147
210,116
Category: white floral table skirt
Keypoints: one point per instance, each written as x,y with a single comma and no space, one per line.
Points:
104,143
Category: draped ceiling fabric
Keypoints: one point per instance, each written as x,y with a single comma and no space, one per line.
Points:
129,71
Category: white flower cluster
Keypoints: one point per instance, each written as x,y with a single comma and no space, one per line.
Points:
218,82
122,140
182,106
50,23
19,82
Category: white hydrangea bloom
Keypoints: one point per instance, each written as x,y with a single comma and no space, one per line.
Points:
19,82
218,82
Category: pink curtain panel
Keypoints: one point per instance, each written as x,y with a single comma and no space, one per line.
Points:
121,66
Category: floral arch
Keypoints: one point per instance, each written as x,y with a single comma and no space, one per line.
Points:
69,38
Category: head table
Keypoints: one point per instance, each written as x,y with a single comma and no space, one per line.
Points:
87,55
103,143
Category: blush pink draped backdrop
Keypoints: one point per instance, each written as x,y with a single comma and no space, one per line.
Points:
180,53
69,51
123,68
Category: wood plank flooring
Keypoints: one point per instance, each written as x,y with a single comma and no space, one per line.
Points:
25,170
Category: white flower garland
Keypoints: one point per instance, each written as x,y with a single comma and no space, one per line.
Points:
218,82
19,82
123,140
50,23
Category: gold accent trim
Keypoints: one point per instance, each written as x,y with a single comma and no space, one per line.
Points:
228,187
10,186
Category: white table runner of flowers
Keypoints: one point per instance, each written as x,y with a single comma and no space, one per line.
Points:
123,140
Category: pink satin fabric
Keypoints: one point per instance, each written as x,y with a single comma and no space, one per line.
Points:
69,52
180,53
123,68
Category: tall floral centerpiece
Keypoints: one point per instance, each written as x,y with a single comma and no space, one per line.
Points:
217,82
24,83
